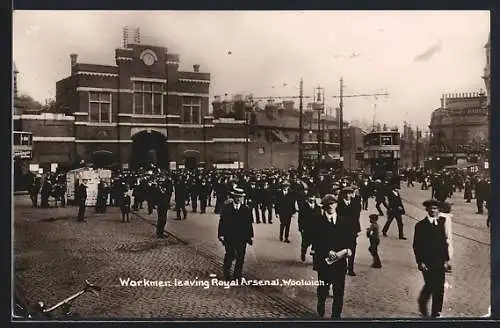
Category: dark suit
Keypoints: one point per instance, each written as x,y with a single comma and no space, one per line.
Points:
364,191
308,218
236,228
162,203
82,198
329,236
285,208
352,214
395,210
430,248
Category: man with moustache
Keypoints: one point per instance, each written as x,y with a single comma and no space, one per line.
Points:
235,232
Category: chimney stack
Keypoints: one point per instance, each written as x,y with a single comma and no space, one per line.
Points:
137,36
74,59
442,101
196,68
125,37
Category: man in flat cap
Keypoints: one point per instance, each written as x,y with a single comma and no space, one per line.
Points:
331,244
285,206
431,254
235,232
395,210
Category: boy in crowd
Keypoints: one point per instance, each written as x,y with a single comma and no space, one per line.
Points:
372,232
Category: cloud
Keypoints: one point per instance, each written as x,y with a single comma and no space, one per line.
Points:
429,53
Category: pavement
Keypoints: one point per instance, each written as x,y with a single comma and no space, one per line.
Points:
104,249
54,255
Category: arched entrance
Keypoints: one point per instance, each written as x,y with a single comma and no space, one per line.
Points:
191,158
149,147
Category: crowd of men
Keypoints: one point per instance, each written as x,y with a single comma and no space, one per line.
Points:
247,197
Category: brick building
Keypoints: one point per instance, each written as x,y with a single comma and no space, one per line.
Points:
273,132
141,108
144,108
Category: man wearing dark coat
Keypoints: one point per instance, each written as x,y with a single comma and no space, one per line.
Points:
162,206
309,215
331,245
285,207
82,198
180,198
395,211
235,232
364,190
431,254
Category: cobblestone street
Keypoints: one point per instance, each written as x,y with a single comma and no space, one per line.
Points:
104,250
54,254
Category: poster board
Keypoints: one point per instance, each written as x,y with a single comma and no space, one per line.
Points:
34,168
92,177
53,167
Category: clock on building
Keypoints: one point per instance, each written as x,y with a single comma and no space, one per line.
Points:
148,57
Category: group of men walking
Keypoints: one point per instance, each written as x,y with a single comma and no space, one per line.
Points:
329,228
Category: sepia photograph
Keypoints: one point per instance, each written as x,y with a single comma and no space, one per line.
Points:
250,165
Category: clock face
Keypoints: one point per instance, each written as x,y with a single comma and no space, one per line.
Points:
148,59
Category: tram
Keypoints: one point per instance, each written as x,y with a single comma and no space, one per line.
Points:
382,152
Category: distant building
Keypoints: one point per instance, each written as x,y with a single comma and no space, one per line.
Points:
459,129
487,70
274,133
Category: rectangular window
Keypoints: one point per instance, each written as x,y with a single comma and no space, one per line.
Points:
196,115
157,87
148,103
138,86
138,103
100,107
105,112
94,112
157,100
187,114
191,105
94,96
148,98
386,141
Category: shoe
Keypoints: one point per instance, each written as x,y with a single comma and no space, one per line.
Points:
320,309
436,315
351,273
403,238
303,257
270,222
281,238
384,234
287,241
376,266
422,308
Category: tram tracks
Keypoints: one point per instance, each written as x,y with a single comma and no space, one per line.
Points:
454,223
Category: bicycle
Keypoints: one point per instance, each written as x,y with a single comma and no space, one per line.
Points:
41,311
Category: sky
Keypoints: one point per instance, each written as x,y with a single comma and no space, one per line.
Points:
413,56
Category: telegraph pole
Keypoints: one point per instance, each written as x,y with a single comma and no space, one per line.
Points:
416,148
341,118
341,128
301,95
